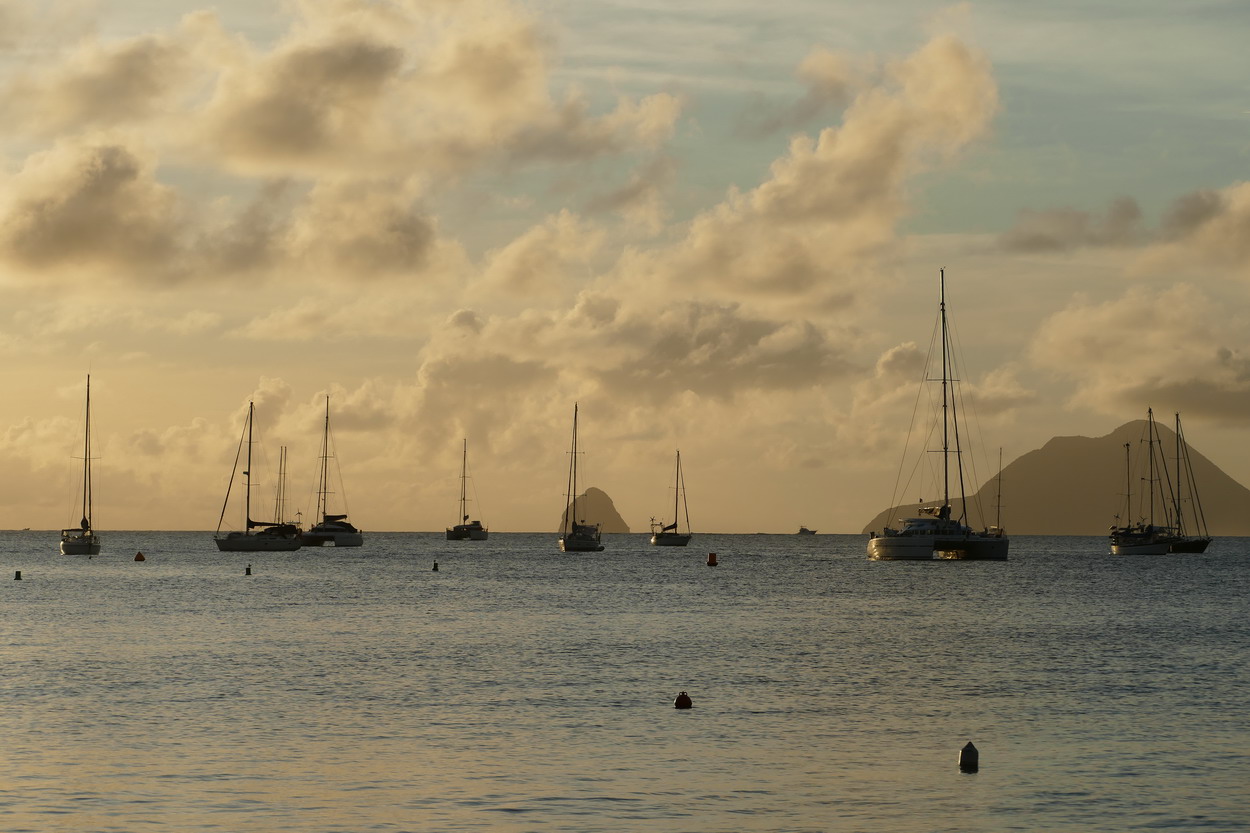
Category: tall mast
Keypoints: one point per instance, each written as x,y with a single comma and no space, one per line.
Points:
946,492
571,509
279,497
247,474
1150,450
464,472
677,488
1128,487
323,482
86,465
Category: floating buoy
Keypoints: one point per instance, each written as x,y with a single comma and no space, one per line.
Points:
17,575
683,701
247,571
139,557
711,559
969,758
436,566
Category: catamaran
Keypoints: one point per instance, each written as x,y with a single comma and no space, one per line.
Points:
936,532
466,530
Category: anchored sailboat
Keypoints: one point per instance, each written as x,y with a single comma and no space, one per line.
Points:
466,530
576,535
936,533
329,529
1189,538
256,536
669,536
1144,537
82,540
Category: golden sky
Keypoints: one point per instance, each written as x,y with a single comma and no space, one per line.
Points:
716,226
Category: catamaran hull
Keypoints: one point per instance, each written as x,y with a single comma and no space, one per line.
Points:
1190,545
467,532
313,538
256,543
1146,548
971,549
896,548
669,539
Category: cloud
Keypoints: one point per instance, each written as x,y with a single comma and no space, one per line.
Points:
546,259
1066,228
1149,348
831,79
1211,228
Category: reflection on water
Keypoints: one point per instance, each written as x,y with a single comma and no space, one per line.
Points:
519,688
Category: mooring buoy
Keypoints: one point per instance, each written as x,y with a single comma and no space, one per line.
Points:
435,567
17,575
139,557
969,758
247,571
683,701
711,559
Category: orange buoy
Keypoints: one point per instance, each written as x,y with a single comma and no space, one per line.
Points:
711,559
139,557
683,701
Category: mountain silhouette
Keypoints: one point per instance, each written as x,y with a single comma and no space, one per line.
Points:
595,507
1076,486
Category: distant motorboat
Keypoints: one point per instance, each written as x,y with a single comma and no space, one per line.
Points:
256,536
576,535
333,529
466,530
935,533
805,531
669,536
82,539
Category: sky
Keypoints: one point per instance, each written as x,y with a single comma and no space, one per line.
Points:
717,227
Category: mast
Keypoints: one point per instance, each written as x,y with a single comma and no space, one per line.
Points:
570,511
464,472
1150,451
1128,486
946,492
324,475
681,481
279,498
1176,495
86,462
677,489
998,498
247,473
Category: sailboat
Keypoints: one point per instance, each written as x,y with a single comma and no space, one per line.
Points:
936,532
256,536
575,534
329,529
466,530
1199,540
668,536
1144,537
82,540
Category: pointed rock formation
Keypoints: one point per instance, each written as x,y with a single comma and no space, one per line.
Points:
595,507
1075,486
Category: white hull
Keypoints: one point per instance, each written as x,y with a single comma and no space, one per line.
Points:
972,548
580,543
80,545
238,542
669,539
898,548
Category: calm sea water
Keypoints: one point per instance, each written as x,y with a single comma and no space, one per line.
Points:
519,689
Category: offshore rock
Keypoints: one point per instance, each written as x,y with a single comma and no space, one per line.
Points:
595,507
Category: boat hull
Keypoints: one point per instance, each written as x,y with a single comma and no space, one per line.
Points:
238,542
972,548
580,543
332,539
468,532
84,545
669,539
1190,545
900,548
1142,548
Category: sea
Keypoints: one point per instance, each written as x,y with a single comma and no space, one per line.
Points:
517,688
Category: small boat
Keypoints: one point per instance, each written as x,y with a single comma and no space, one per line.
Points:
805,531
82,539
576,535
335,530
256,536
1189,538
466,530
935,532
669,536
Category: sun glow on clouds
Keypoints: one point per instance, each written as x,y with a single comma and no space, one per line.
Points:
281,208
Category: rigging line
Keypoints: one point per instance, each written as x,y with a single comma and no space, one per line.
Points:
911,425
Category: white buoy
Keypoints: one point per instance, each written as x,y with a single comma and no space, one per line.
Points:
969,758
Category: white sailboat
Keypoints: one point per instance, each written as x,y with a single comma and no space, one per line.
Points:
576,535
335,529
82,539
669,536
466,530
936,533
256,536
